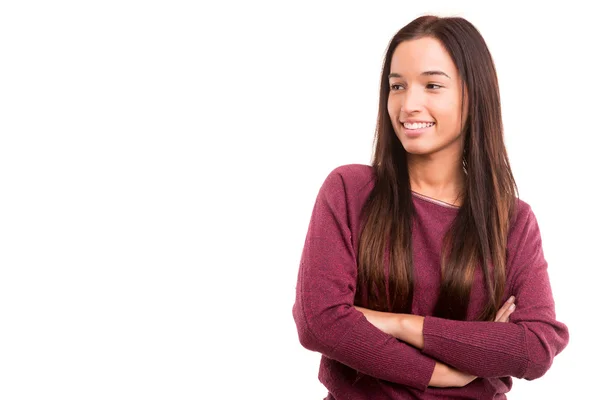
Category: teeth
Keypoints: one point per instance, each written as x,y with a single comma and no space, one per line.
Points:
418,125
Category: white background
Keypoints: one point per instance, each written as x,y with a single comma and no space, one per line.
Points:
159,161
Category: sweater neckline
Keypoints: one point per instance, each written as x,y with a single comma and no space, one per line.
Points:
434,201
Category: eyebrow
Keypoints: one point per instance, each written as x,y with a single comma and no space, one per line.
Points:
426,73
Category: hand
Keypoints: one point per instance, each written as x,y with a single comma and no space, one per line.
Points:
446,376
505,311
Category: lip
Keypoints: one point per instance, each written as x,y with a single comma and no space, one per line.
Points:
413,133
415,121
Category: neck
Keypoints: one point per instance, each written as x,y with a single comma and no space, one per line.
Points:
437,177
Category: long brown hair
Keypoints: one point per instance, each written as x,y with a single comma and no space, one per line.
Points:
489,196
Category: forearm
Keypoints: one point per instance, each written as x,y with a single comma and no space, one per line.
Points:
490,349
353,341
405,327
409,328
485,349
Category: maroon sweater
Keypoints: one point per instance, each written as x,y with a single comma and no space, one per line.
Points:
391,369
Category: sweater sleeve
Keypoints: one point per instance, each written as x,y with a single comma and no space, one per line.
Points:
324,312
525,346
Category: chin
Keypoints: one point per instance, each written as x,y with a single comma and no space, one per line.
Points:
419,153
416,150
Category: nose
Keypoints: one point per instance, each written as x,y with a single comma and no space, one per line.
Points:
412,101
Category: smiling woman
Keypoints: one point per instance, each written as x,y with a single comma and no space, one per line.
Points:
423,274
426,99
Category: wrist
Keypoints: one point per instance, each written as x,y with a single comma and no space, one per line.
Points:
440,376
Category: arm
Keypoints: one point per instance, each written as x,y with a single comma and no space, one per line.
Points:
523,348
526,346
409,328
323,311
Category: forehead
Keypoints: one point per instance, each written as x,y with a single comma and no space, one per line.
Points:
412,57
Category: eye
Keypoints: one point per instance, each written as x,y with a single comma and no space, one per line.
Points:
396,86
433,86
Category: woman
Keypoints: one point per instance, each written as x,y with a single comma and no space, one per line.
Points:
423,274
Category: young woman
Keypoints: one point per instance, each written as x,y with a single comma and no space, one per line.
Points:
422,274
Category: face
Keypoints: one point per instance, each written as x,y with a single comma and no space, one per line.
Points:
424,103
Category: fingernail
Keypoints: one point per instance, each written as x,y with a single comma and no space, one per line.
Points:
511,299
512,307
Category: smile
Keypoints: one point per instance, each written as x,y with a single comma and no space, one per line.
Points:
417,125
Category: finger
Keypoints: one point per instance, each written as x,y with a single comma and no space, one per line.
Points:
504,308
506,311
504,317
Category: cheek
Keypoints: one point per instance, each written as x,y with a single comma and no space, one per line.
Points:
391,108
447,112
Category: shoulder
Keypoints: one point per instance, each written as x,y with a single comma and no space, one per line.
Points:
350,177
523,218
524,248
348,186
